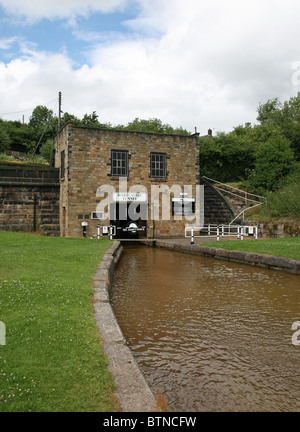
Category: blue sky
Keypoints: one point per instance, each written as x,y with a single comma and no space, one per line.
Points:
76,37
197,63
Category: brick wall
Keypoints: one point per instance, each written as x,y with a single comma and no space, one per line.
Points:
87,159
29,198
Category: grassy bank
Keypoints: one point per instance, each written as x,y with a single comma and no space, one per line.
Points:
52,360
281,247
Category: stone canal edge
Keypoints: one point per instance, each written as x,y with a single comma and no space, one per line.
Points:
131,389
249,258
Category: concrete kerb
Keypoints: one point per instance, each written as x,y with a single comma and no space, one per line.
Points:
132,390
259,260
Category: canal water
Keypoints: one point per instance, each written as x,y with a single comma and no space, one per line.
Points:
210,335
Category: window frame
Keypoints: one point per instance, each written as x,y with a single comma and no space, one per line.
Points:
62,164
117,163
159,170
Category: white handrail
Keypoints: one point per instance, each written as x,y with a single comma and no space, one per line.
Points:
239,196
243,211
232,187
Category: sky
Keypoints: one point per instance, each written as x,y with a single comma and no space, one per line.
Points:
204,64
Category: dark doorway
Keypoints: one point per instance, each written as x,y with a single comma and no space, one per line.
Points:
130,219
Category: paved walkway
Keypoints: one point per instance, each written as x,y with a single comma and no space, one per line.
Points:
199,240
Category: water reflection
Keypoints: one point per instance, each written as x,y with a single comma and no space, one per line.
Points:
210,335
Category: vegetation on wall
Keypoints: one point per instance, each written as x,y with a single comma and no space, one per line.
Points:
284,202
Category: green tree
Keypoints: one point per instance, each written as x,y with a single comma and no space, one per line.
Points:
153,125
4,139
90,120
47,151
285,116
44,125
291,123
66,118
227,157
210,158
21,135
270,111
260,134
41,116
274,159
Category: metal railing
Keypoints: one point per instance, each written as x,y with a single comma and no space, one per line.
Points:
243,213
250,199
242,194
219,231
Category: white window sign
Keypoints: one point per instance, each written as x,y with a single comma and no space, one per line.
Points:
183,206
129,197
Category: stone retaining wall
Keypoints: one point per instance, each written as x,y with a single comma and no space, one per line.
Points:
273,229
29,198
132,390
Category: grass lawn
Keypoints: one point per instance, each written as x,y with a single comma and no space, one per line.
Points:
52,360
282,247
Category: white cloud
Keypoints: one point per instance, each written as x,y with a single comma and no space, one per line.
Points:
6,43
212,57
195,63
35,10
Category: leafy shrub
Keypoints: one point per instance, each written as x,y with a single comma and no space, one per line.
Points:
5,157
226,157
47,151
274,160
293,176
285,202
4,140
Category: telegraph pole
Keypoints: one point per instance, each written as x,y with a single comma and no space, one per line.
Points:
59,110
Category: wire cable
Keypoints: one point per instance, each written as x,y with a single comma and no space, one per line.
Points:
26,110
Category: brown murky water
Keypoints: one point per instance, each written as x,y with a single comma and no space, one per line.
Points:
210,335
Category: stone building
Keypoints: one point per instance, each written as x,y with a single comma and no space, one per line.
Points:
124,183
